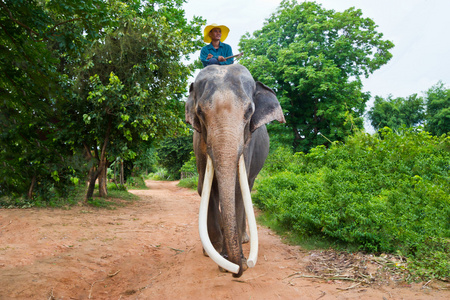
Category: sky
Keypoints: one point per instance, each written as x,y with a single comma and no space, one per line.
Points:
419,30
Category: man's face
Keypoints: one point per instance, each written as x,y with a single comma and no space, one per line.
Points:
215,34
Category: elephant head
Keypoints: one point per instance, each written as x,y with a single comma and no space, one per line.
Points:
228,111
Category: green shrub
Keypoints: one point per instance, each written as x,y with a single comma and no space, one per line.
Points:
161,174
51,198
380,193
136,183
189,182
189,175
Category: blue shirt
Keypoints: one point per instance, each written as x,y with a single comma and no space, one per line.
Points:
224,50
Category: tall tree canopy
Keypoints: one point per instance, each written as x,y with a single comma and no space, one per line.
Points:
397,112
438,109
90,77
35,37
314,58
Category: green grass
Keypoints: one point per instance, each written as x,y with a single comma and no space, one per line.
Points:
115,198
136,183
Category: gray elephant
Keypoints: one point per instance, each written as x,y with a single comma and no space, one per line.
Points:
228,111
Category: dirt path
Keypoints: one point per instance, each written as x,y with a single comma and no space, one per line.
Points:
150,249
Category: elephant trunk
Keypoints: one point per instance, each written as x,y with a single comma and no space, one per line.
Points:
226,177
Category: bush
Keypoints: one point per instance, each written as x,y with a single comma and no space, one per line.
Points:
189,182
136,183
381,193
189,174
161,174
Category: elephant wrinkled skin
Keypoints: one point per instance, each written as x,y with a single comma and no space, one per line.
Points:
228,111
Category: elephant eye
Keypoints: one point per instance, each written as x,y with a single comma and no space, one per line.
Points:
248,112
200,113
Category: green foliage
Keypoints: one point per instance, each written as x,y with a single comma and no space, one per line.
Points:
173,153
189,174
129,85
314,58
190,166
398,112
136,183
160,174
387,193
438,109
189,182
115,198
87,79
120,187
72,196
146,159
36,38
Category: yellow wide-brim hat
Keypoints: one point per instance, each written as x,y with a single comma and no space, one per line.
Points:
225,30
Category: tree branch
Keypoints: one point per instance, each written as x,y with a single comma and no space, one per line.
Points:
17,21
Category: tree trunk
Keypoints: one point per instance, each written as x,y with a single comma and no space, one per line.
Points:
103,164
93,174
102,179
30,191
115,172
122,181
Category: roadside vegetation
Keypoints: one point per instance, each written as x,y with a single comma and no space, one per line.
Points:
382,193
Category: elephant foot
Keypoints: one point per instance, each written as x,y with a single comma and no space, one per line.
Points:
244,265
245,238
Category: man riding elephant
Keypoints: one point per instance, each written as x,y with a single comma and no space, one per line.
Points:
216,52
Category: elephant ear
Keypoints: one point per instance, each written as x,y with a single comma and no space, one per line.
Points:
190,115
267,107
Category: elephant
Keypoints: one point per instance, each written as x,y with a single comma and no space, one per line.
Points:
228,111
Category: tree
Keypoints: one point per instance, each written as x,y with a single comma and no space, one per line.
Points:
438,109
35,37
129,85
313,58
173,153
397,112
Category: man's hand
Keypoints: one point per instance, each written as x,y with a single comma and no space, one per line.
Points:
221,58
209,56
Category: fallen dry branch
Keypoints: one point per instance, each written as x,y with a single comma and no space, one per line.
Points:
114,274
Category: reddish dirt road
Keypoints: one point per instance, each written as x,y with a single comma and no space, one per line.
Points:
150,249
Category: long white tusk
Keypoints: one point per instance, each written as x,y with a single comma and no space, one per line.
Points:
245,190
203,224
